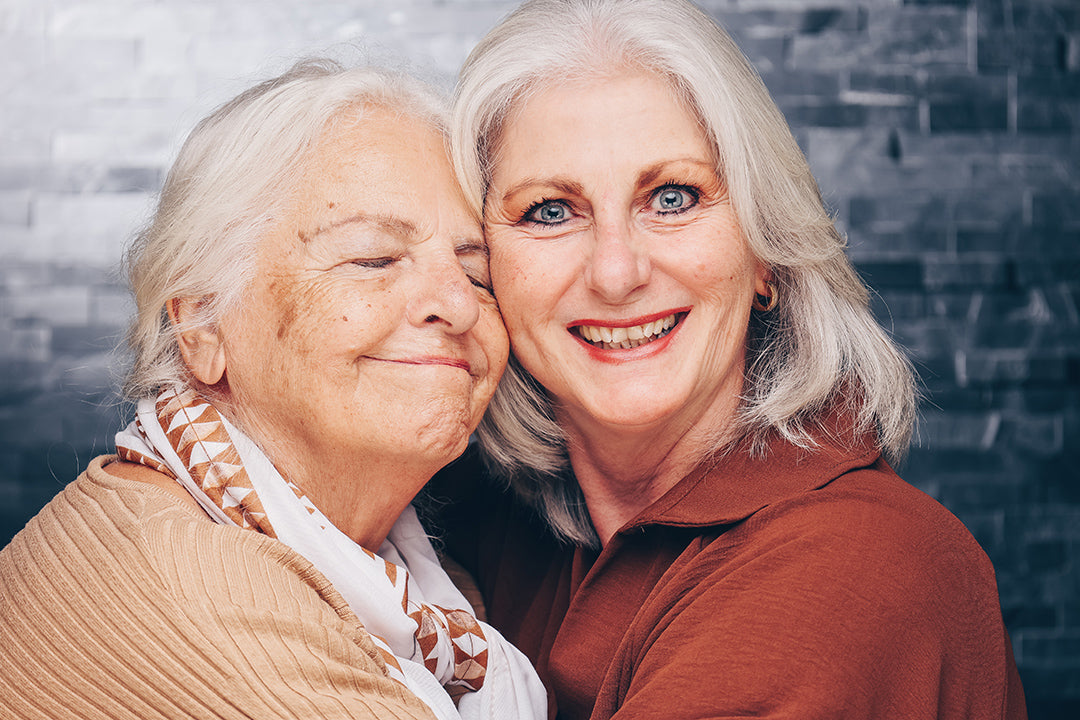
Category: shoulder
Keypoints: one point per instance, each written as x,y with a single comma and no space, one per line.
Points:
126,576
868,526
140,539
863,593
872,513
868,557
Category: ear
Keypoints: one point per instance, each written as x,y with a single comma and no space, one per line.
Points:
201,345
762,276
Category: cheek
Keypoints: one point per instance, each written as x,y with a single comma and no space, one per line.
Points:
529,278
495,341
298,314
505,269
322,317
718,262
286,302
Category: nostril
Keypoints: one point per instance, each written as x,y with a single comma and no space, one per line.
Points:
431,318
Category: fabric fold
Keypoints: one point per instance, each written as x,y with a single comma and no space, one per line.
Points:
424,627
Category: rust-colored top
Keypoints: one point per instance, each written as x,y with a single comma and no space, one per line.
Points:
799,585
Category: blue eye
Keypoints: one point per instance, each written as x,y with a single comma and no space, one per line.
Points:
548,212
672,199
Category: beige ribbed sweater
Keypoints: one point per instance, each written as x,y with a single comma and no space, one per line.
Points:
118,601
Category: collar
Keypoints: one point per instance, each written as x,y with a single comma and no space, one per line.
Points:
739,482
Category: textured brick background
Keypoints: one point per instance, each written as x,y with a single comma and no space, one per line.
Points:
944,135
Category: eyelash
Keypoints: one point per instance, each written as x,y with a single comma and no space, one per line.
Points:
478,283
374,263
384,262
693,192
526,216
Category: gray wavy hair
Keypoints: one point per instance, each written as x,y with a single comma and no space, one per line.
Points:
820,346
233,178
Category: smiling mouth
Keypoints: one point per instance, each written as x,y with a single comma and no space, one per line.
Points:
626,338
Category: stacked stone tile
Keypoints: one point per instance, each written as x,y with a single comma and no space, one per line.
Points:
944,134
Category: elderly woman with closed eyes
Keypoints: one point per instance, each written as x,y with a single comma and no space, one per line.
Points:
700,412
315,337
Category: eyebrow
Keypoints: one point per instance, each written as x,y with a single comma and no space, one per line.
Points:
654,172
465,246
566,186
561,185
388,223
401,228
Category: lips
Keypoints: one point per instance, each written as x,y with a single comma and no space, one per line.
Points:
626,337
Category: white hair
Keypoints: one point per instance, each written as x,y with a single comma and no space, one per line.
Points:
232,180
819,347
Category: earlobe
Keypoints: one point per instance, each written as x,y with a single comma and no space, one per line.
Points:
201,345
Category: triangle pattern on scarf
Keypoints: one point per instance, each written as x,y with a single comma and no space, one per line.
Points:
452,643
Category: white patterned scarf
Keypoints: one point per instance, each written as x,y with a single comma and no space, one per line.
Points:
424,627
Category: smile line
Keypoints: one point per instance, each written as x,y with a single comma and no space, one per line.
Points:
450,362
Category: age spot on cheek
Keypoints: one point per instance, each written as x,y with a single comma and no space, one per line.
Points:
284,300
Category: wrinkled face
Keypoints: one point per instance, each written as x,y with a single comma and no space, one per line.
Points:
369,331
620,268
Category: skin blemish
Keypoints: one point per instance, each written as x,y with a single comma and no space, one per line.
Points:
283,298
331,204
304,236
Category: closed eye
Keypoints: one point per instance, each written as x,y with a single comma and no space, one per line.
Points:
480,284
374,263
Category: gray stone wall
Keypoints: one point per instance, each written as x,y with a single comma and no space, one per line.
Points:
943,133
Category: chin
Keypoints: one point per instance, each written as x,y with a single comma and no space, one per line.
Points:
444,438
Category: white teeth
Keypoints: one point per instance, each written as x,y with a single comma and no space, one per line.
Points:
626,337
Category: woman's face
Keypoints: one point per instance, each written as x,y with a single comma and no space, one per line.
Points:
369,331
620,269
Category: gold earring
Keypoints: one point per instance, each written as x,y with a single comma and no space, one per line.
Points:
771,298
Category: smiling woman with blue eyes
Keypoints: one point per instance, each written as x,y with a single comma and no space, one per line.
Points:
314,337
694,513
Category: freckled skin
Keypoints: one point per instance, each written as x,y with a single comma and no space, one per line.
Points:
615,257
599,155
368,346
286,305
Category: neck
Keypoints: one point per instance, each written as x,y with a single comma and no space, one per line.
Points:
622,471
361,492
620,476
362,500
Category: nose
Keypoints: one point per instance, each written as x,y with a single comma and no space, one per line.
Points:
445,296
619,264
